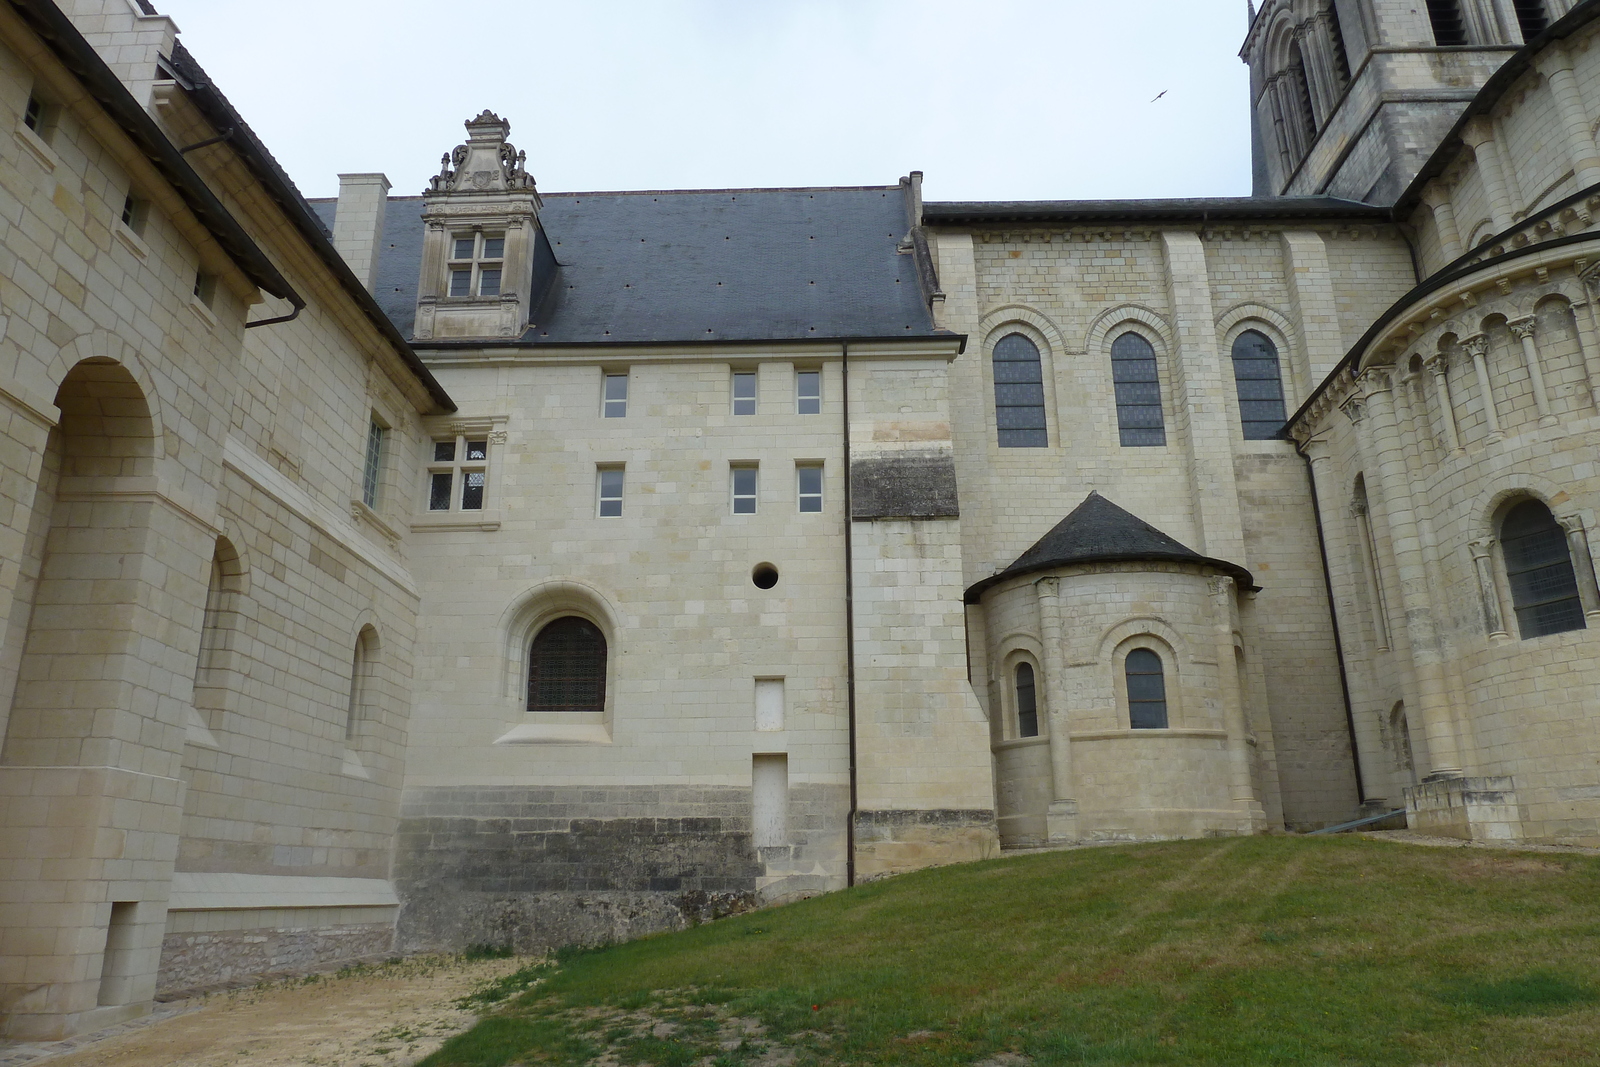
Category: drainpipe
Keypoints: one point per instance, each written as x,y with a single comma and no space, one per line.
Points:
1338,642
849,626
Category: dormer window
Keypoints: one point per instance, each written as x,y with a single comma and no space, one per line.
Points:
476,260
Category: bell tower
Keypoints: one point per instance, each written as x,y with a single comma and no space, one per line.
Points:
480,219
1351,97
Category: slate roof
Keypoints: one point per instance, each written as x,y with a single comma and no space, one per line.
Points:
1099,531
693,266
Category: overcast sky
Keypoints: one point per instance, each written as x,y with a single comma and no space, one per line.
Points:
993,99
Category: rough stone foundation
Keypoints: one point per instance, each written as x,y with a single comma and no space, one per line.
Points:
896,841
193,960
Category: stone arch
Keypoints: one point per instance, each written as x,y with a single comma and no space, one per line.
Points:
364,666
1028,652
1480,233
1292,357
102,346
217,670
1045,333
1156,330
529,613
1136,626
1507,490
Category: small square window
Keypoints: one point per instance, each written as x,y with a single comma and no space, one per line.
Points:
744,490
463,248
744,392
494,248
808,478
477,450
134,213
489,282
439,490
808,392
610,492
444,451
461,283
614,402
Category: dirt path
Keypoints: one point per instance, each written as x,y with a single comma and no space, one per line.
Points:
384,1016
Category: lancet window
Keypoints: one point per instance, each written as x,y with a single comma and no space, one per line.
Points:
1027,702
1259,380
1147,690
1544,588
1019,393
1133,376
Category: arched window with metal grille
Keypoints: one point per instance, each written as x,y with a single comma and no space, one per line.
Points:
1544,589
1260,384
1147,690
1019,393
1138,389
567,667
1027,702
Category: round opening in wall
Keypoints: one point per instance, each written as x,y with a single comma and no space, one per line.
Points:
765,575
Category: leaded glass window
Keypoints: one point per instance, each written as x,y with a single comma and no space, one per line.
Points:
1027,702
1133,376
1019,393
1544,589
567,667
1260,384
1147,690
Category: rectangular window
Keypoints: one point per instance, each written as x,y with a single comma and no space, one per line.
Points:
134,213
373,469
476,261
744,490
462,461
769,704
808,392
808,477
205,287
40,117
614,399
610,492
744,392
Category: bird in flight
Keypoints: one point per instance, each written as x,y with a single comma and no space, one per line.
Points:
1159,95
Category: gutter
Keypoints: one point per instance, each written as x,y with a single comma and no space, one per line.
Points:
1203,210
58,33
479,344
210,102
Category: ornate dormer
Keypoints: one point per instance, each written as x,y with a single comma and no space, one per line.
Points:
481,219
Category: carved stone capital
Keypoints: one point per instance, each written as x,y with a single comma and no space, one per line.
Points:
1522,328
1477,345
1477,133
1221,585
1358,508
1571,523
1481,547
1048,588
1354,407
498,437
1375,380
1438,363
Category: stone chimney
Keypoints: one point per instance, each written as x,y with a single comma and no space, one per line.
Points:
358,223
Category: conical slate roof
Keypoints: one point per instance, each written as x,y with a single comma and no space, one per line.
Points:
1098,531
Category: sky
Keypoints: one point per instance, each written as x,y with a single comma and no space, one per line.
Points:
992,100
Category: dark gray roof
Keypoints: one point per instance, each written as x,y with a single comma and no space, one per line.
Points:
703,265
1183,209
1098,531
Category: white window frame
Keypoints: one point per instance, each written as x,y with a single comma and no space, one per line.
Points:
735,497
800,396
801,496
601,498
474,265
735,399
613,407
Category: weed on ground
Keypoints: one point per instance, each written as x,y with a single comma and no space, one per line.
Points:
1245,951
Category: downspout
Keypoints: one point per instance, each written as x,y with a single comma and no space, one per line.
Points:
849,628
1338,642
299,306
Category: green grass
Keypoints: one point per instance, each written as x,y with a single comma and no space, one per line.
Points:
1264,950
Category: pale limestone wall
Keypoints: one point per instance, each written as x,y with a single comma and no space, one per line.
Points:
1072,291
1127,784
115,501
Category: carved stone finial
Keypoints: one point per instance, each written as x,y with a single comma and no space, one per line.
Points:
487,163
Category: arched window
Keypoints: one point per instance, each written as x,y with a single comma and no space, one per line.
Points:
1448,26
1260,385
1531,17
360,682
1147,690
1019,393
1544,589
1133,376
567,667
1027,702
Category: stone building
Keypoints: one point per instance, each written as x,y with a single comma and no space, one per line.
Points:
516,566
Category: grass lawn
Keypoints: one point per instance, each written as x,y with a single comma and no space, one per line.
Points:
1262,950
